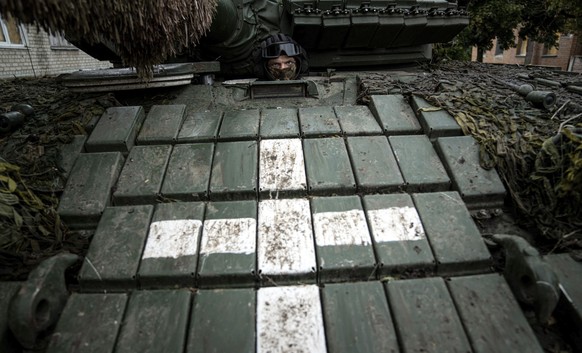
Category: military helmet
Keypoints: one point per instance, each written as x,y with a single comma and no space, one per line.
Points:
274,46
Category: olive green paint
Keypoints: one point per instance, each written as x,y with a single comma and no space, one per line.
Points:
479,188
240,125
89,323
223,321
162,125
155,321
328,166
454,238
188,172
357,318
89,188
394,115
318,121
234,170
141,178
200,126
419,163
425,316
374,164
279,123
113,257
116,130
491,315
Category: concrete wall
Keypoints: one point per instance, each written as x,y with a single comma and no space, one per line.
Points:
569,46
38,59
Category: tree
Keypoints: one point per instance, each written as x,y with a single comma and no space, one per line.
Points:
491,19
537,20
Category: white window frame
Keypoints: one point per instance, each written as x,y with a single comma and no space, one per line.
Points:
6,43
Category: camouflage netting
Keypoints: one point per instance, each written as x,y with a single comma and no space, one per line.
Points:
538,153
31,174
144,32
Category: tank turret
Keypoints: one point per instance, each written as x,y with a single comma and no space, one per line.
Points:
335,33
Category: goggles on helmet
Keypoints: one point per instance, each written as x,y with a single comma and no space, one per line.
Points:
277,49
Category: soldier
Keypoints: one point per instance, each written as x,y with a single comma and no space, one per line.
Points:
279,57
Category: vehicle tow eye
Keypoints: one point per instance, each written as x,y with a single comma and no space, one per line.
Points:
41,299
531,279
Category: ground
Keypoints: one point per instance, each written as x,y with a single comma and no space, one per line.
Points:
537,152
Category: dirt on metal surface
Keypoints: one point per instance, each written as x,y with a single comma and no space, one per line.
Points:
537,152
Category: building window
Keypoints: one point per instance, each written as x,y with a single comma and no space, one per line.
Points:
11,33
58,41
550,51
498,49
521,47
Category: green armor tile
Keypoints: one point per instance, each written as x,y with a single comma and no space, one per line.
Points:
279,123
425,316
228,245
357,120
344,248
357,318
492,318
223,321
398,234
113,257
318,121
454,238
70,152
328,166
435,122
412,32
419,163
200,126
116,130
362,29
479,188
171,251
234,170
188,172
162,125
89,324
374,164
142,175
335,28
240,125
394,115
155,321
88,190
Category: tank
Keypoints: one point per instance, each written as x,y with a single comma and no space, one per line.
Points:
335,33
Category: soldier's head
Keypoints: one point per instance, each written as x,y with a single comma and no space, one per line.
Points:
282,58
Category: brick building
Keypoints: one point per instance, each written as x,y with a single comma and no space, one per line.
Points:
567,56
26,51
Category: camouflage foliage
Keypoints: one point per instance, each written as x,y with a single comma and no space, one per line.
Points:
143,32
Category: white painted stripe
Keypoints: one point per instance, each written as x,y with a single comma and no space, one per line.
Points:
281,165
232,236
173,238
341,228
396,224
285,237
289,319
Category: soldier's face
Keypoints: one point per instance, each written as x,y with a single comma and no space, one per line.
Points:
282,68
